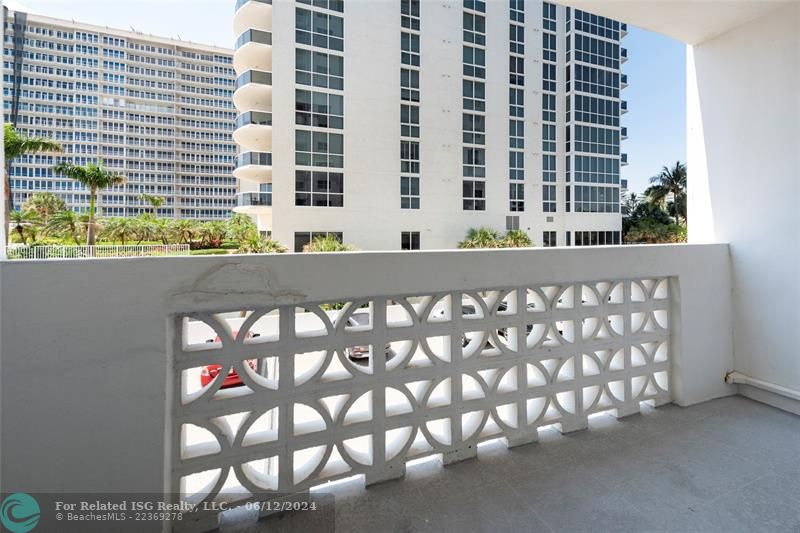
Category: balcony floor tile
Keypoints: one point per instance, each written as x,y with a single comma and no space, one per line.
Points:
727,465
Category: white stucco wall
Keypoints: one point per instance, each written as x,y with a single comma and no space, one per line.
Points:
744,177
84,342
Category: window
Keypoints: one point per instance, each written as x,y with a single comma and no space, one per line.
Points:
409,192
549,168
474,162
319,69
409,44
589,199
409,85
516,196
596,110
409,240
474,62
474,95
319,149
321,110
301,239
548,137
596,169
548,239
409,120
474,29
319,188
474,128
549,47
409,157
549,198
319,29
596,140
512,222
409,10
596,238
474,195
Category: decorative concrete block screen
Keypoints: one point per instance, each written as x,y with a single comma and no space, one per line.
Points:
277,400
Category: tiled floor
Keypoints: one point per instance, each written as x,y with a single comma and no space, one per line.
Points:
728,465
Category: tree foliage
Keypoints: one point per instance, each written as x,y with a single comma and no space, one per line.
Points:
489,238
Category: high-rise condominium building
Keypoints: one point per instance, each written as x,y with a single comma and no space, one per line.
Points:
401,124
158,111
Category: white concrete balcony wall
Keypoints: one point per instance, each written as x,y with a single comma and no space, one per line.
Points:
87,361
743,121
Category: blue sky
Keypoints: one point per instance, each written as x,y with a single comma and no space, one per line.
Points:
655,68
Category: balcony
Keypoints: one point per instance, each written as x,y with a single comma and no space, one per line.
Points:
254,131
253,51
623,81
623,55
623,133
254,166
255,14
623,107
254,91
253,202
623,159
623,29
553,389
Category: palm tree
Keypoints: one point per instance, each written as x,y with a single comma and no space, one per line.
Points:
95,177
154,201
260,245
120,229
629,204
213,233
162,229
45,205
185,230
516,238
16,144
241,228
481,238
23,220
329,243
670,181
66,222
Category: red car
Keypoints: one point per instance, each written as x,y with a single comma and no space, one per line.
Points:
210,372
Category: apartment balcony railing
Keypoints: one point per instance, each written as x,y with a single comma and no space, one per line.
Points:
623,106
623,55
240,3
254,36
345,364
253,118
254,199
253,91
254,158
623,159
623,134
624,80
254,76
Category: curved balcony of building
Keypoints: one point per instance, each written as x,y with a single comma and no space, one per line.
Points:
255,14
254,166
253,203
253,131
253,90
253,51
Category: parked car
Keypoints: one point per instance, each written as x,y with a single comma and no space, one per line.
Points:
210,372
360,354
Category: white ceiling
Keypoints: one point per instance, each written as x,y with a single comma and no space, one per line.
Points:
690,21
